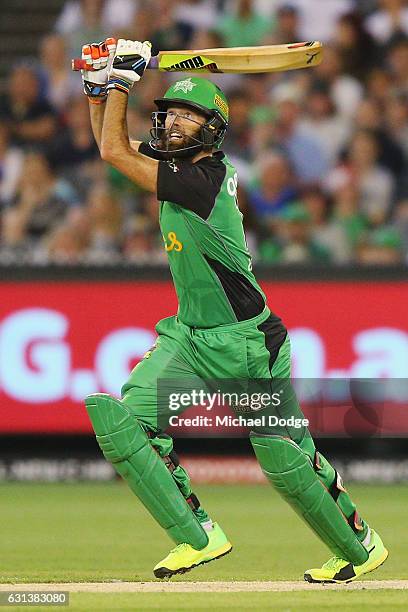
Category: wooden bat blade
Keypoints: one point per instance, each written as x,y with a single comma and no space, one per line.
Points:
245,60
269,58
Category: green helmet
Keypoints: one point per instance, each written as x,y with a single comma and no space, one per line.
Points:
203,96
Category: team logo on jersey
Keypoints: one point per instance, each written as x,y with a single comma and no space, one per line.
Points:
184,86
173,166
171,243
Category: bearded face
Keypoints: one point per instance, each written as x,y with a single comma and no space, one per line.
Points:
178,128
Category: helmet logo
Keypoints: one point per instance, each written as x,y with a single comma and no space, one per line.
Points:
184,86
222,105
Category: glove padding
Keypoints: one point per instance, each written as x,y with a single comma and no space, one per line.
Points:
99,56
129,63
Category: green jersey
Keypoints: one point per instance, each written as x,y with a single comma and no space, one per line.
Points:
205,242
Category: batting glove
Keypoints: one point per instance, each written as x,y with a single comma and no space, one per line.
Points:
99,57
129,63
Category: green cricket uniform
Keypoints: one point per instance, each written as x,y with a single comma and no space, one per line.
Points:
223,328
223,332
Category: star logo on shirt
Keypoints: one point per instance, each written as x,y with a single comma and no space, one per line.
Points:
184,86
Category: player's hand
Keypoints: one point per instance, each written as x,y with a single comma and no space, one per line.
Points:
129,63
99,56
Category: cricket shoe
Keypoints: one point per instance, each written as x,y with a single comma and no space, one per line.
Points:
340,571
184,557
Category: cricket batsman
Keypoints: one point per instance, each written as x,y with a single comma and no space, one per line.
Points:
223,328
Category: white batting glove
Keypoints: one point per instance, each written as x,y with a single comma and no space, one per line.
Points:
129,63
99,57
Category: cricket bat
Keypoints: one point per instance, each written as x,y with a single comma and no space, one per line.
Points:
246,60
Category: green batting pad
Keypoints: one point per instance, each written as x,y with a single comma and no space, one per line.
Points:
289,470
127,447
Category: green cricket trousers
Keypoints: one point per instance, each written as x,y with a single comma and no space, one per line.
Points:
256,349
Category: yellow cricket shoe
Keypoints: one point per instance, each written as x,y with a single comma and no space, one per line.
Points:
340,571
184,557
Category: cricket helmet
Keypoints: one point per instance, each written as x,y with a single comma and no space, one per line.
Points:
202,96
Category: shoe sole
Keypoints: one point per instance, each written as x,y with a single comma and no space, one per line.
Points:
164,572
383,558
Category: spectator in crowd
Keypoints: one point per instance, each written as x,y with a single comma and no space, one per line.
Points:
345,90
140,25
374,183
287,25
74,153
65,246
11,166
321,119
347,215
141,243
382,247
318,18
355,45
379,84
396,121
143,231
61,84
295,243
42,202
239,144
30,118
244,27
93,20
197,14
302,147
106,223
370,115
398,62
389,21
326,232
275,188
166,31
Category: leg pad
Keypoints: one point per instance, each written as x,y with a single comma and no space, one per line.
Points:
127,447
291,473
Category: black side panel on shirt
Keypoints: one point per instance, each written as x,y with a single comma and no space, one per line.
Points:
275,334
245,300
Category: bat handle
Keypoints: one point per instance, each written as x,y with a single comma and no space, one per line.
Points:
80,64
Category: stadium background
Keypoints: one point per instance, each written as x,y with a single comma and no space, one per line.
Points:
322,164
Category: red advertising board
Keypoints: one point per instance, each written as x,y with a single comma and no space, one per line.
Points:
60,341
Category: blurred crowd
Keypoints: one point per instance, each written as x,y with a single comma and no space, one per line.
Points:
321,154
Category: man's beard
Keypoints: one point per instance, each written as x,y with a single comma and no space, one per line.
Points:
179,143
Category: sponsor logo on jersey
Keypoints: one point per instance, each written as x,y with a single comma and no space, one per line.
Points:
172,243
185,86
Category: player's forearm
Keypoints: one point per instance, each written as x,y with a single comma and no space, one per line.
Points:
118,151
97,112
